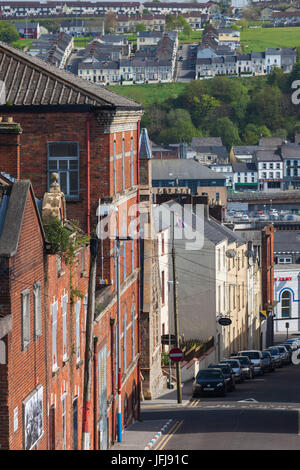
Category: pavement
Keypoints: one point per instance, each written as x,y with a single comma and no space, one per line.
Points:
142,435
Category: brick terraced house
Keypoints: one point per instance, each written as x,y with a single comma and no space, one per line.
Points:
41,324
89,136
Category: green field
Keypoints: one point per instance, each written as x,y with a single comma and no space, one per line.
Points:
257,39
150,94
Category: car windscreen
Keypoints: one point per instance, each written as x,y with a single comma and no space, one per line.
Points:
251,354
209,374
244,360
234,364
274,352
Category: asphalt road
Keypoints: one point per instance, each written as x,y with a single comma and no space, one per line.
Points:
262,414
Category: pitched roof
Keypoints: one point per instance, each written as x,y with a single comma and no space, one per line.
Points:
267,155
198,141
31,81
270,142
12,217
181,168
244,149
290,151
286,241
243,166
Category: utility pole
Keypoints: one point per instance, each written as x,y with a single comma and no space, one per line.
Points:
87,385
176,322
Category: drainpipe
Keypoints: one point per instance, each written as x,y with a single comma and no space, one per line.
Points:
139,277
88,167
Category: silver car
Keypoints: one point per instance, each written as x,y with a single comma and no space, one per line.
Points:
236,368
256,357
284,354
276,355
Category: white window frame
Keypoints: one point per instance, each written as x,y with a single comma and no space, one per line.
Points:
54,310
64,309
25,309
68,171
37,308
77,310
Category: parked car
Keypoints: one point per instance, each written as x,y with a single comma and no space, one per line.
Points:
269,363
236,368
284,354
228,375
245,217
209,381
290,217
256,358
294,342
247,366
289,348
276,355
263,217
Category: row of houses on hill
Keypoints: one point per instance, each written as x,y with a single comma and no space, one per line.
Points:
153,61
21,9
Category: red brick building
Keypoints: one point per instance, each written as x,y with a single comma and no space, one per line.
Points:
41,321
89,136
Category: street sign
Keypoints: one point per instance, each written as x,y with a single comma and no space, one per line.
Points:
176,354
165,339
224,321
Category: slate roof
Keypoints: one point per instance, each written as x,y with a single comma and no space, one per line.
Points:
271,142
244,149
31,81
12,217
243,166
290,151
198,141
170,169
267,155
145,151
286,241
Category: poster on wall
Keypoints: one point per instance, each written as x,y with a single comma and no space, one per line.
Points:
33,418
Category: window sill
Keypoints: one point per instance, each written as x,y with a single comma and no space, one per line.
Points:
79,364
60,273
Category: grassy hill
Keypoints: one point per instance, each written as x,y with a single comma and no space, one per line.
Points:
258,39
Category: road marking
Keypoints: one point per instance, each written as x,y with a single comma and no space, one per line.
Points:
248,400
194,402
170,433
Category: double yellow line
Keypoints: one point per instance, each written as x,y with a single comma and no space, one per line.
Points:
168,436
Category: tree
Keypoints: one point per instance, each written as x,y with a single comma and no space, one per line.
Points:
180,128
253,133
140,27
228,132
8,33
111,22
264,108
